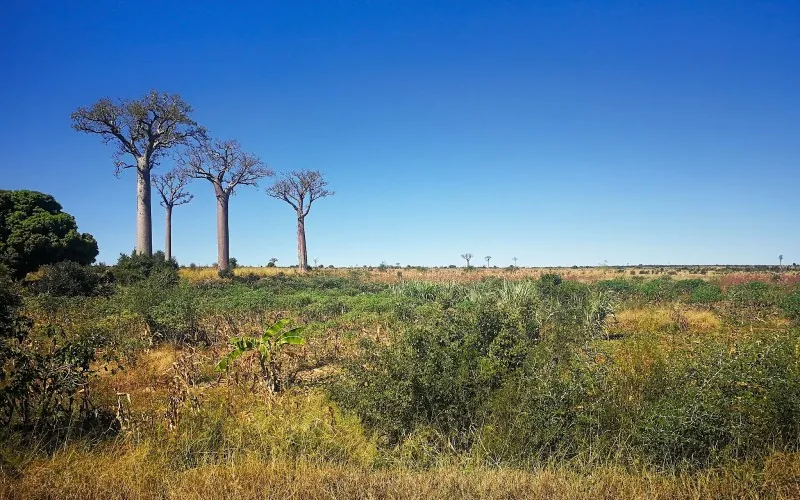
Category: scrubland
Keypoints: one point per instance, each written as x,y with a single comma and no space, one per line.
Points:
411,383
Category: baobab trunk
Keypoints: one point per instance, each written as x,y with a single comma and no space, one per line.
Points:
302,254
144,220
223,249
168,241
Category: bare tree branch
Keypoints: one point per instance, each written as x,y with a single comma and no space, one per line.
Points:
224,164
144,128
300,188
172,188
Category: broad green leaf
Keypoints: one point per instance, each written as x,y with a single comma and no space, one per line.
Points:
293,336
275,329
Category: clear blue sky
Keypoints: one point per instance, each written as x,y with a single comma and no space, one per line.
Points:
559,132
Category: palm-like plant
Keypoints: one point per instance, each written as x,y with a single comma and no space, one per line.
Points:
268,346
780,262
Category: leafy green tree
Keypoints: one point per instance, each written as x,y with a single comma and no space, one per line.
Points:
34,231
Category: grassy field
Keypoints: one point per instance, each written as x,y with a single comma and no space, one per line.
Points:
726,275
412,383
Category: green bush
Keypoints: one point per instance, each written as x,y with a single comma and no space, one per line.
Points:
791,305
547,283
751,297
438,374
621,287
724,403
70,279
556,408
134,268
658,290
168,310
44,375
706,293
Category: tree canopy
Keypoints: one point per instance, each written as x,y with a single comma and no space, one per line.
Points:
34,231
145,128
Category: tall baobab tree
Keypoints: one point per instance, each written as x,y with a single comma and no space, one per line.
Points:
171,188
143,129
467,257
300,188
487,259
226,167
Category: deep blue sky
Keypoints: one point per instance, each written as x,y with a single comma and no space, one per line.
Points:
559,132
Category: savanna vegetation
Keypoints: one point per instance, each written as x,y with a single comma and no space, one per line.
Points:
147,380
141,381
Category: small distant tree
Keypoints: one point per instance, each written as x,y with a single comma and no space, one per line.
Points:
272,262
144,130
226,167
171,188
780,263
515,262
487,259
300,188
467,257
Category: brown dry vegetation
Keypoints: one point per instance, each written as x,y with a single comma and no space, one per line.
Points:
133,472
460,274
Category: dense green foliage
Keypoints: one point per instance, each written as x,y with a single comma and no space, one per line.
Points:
34,231
136,267
515,374
70,279
45,374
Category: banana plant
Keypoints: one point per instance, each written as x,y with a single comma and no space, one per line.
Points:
268,346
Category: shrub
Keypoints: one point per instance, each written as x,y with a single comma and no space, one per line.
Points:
438,374
226,273
44,375
706,293
753,295
547,283
658,290
133,268
724,403
619,286
791,305
69,279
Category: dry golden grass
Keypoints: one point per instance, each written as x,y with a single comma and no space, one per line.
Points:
141,472
665,319
459,274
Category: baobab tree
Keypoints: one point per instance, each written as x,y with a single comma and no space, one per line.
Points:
487,259
143,129
171,188
780,263
467,257
300,188
226,167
